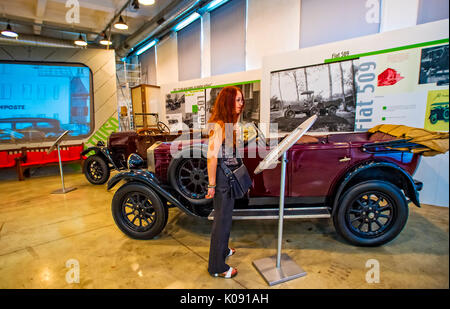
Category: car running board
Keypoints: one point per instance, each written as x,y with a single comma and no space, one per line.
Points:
289,213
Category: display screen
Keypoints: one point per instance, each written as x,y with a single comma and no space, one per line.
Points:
39,101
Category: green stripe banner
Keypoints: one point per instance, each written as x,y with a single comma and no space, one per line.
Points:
216,86
389,50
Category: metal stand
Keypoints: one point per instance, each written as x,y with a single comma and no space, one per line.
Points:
63,190
279,268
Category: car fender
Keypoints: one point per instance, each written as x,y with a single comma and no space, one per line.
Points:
102,152
149,179
409,186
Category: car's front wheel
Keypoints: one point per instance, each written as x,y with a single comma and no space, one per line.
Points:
138,211
371,213
96,170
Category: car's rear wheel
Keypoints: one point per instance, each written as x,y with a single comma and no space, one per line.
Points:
371,213
96,170
138,211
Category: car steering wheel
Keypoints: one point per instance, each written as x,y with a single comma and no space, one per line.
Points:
272,157
163,127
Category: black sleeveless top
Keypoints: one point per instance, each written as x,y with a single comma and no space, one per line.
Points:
229,156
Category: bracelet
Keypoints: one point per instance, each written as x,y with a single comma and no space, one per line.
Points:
211,186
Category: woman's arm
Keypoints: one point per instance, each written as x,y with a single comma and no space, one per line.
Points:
215,141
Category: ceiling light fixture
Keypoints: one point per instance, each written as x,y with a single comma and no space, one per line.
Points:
80,41
9,33
146,47
121,25
146,2
105,41
214,4
194,16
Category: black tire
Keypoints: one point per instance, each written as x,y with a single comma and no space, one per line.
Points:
138,211
370,204
189,177
433,118
332,110
289,114
96,170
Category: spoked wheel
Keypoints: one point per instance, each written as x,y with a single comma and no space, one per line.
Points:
96,170
138,211
192,176
371,213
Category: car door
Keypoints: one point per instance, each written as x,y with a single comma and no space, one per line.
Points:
313,168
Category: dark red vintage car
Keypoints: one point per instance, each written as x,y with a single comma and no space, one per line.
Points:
359,180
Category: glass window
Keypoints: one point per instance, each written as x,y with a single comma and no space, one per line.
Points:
6,125
23,125
43,125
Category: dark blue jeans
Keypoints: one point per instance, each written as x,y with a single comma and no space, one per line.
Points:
220,233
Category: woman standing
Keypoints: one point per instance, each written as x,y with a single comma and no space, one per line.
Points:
221,149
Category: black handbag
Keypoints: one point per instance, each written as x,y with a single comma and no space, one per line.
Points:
239,180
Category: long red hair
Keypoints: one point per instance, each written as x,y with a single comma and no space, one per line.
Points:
224,110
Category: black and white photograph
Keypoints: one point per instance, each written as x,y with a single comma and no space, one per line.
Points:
325,90
434,66
251,92
175,111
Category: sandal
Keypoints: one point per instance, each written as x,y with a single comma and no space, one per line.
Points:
232,251
230,273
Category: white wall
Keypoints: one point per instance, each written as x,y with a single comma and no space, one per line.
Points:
167,60
272,28
397,14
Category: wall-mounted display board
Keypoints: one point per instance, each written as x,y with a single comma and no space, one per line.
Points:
396,77
399,77
189,104
405,85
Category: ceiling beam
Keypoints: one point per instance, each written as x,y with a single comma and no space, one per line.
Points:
41,5
40,8
109,6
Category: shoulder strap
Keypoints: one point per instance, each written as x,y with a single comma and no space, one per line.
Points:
226,170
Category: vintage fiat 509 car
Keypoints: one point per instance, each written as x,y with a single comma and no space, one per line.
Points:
362,183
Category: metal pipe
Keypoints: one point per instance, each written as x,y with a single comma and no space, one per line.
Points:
281,213
151,28
35,40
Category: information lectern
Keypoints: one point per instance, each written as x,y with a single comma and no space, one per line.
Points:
281,268
63,190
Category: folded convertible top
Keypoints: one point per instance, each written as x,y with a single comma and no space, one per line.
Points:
427,143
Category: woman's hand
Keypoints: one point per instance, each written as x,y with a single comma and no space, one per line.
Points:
211,192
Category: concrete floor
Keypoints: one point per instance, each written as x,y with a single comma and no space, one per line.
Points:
41,233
